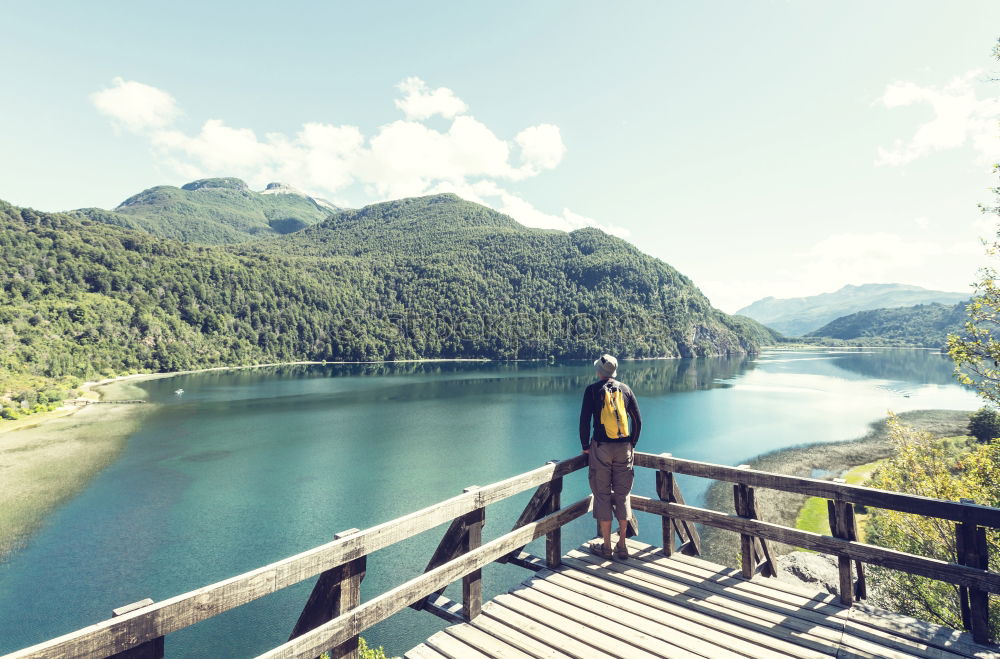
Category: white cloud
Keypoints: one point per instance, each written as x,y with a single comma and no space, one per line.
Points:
400,159
960,117
136,106
420,102
541,147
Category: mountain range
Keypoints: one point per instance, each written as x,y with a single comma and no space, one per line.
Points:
799,316
922,325
215,211
89,293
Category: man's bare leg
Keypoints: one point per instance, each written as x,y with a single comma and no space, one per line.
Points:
622,532
605,529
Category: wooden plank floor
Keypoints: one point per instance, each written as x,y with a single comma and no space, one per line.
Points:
653,606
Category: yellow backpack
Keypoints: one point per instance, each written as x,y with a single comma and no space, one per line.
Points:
613,415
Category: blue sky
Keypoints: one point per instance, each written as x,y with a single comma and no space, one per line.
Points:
761,147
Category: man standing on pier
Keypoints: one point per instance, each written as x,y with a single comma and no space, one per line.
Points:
609,429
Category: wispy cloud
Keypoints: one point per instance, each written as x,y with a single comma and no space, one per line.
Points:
403,158
135,106
960,118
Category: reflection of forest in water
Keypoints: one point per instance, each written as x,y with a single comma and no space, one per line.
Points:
923,366
439,380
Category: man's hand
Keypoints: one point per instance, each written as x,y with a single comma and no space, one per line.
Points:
586,451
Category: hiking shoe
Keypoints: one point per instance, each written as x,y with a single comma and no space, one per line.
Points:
599,549
621,551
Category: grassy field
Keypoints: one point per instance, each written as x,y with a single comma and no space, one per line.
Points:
814,516
835,458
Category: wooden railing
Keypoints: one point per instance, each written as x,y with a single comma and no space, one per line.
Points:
334,616
969,571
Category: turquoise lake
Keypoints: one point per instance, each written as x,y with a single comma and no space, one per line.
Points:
248,467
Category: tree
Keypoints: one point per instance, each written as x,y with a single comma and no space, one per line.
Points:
925,466
984,425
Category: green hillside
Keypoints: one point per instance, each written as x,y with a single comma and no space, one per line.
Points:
428,277
214,211
922,325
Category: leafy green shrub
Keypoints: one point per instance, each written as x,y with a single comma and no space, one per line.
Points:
984,425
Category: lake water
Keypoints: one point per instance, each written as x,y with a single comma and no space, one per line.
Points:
248,467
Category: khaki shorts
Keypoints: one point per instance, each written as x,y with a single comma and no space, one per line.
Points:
611,477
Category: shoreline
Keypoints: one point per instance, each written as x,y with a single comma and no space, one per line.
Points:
48,458
832,458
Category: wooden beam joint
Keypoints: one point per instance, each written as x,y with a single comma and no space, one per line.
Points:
972,550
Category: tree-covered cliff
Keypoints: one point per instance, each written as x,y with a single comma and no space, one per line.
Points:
427,277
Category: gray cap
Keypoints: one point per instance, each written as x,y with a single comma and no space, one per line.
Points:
607,366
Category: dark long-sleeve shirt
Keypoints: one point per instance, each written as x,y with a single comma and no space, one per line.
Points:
591,428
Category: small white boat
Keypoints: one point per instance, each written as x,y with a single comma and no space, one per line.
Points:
179,392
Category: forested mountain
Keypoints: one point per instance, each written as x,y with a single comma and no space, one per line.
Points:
801,315
215,211
428,277
922,325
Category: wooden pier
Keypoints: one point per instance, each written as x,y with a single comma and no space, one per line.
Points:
654,606
661,602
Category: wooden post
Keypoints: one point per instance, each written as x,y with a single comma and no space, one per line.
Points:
860,589
741,501
152,649
337,591
664,488
972,550
553,539
837,512
668,490
472,583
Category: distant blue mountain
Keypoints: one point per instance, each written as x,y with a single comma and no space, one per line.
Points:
802,315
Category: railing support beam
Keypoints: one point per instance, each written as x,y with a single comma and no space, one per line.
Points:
553,540
337,591
472,583
152,649
972,550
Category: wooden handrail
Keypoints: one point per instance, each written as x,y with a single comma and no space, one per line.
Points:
897,560
955,511
970,571
379,608
115,635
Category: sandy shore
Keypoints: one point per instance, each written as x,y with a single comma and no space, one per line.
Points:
834,458
47,458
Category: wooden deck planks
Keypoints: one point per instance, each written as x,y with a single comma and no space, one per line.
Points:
517,638
868,641
603,619
422,651
716,631
453,648
683,606
860,621
606,642
782,625
541,633
486,643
